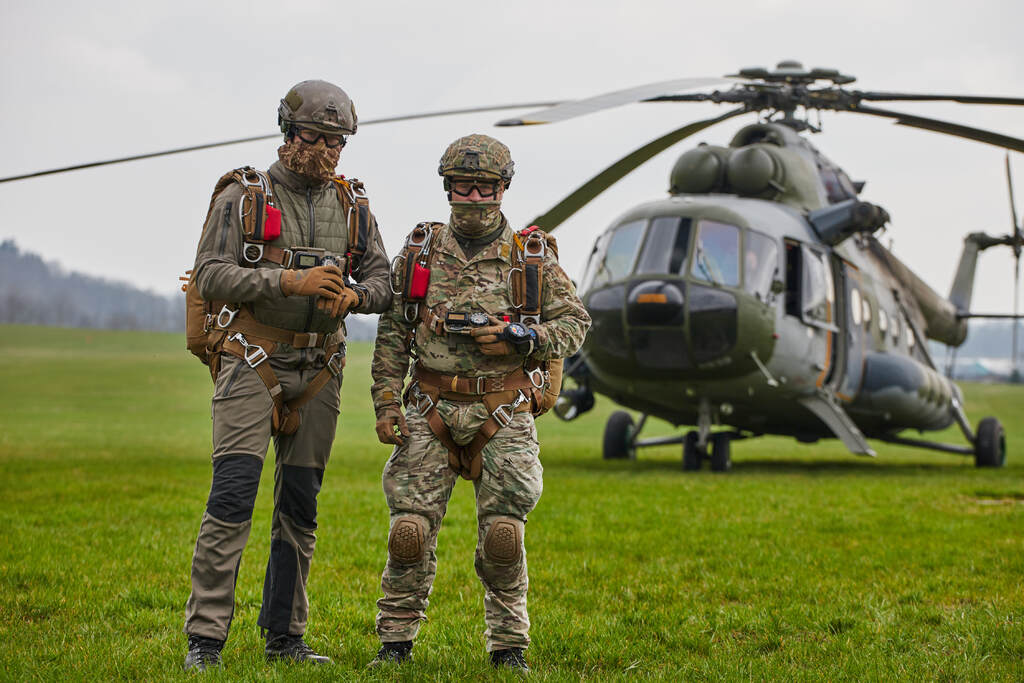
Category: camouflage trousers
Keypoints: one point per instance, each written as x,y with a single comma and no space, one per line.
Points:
418,484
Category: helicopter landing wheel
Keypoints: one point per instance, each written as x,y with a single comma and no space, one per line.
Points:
990,444
721,458
692,453
618,437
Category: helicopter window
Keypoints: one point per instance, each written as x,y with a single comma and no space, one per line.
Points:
910,337
866,313
895,329
760,263
817,295
617,260
856,310
667,243
883,321
716,255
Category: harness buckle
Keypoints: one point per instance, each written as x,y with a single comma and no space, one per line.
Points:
252,252
511,290
529,320
254,353
536,377
208,322
421,398
334,363
392,271
535,245
505,413
228,314
481,385
244,181
411,311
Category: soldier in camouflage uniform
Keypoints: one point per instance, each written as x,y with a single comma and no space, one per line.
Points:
457,379
305,304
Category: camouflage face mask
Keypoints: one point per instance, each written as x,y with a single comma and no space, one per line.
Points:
475,219
313,161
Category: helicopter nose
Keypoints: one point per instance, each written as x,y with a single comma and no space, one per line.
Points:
655,302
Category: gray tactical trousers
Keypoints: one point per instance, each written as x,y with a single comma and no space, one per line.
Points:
418,484
242,410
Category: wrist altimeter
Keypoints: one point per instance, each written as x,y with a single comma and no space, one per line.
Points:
522,338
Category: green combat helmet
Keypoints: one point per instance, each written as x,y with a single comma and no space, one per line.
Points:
318,105
476,155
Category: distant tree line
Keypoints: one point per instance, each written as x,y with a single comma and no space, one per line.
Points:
34,292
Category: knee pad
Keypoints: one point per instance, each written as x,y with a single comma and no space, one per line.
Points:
407,540
503,543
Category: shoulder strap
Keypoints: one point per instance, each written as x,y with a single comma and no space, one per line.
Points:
415,258
354,201
532,244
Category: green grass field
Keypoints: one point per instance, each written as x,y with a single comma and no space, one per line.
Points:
803,563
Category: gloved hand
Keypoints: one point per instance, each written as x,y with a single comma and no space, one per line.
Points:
504,339
491,338
320,281
390,419
340,304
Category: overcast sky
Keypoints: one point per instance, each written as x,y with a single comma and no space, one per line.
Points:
89,81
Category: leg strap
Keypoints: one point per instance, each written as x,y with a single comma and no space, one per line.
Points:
256,353
467,460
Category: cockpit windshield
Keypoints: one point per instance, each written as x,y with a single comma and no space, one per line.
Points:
613,255
760,264
668,240
660,246
716,254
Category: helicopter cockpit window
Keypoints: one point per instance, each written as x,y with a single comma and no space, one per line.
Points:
760,264
616,260
716,254
817,293
668,241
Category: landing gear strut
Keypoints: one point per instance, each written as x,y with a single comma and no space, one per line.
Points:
717,449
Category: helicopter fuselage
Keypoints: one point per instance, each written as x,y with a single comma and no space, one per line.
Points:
735,306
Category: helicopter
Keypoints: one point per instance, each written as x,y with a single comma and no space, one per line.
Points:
757,298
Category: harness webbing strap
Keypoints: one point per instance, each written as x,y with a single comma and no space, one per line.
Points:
467,460
286,417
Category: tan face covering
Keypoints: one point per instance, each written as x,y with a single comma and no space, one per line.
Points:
475,219
315,161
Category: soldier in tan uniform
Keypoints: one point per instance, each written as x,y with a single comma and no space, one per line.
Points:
279,342
481,365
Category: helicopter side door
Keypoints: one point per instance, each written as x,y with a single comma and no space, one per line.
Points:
810,300
852,334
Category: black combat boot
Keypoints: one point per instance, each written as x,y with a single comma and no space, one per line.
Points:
289,648
393,653
511,658
203,653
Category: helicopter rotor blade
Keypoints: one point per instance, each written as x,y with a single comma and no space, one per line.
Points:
254,138
910,97
609,176
1013,209
1016,315
938,126
568,110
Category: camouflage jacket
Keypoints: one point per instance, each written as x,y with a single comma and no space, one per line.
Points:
311,216
477,284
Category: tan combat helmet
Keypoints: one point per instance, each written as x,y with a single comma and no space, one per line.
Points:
320,106
476,155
